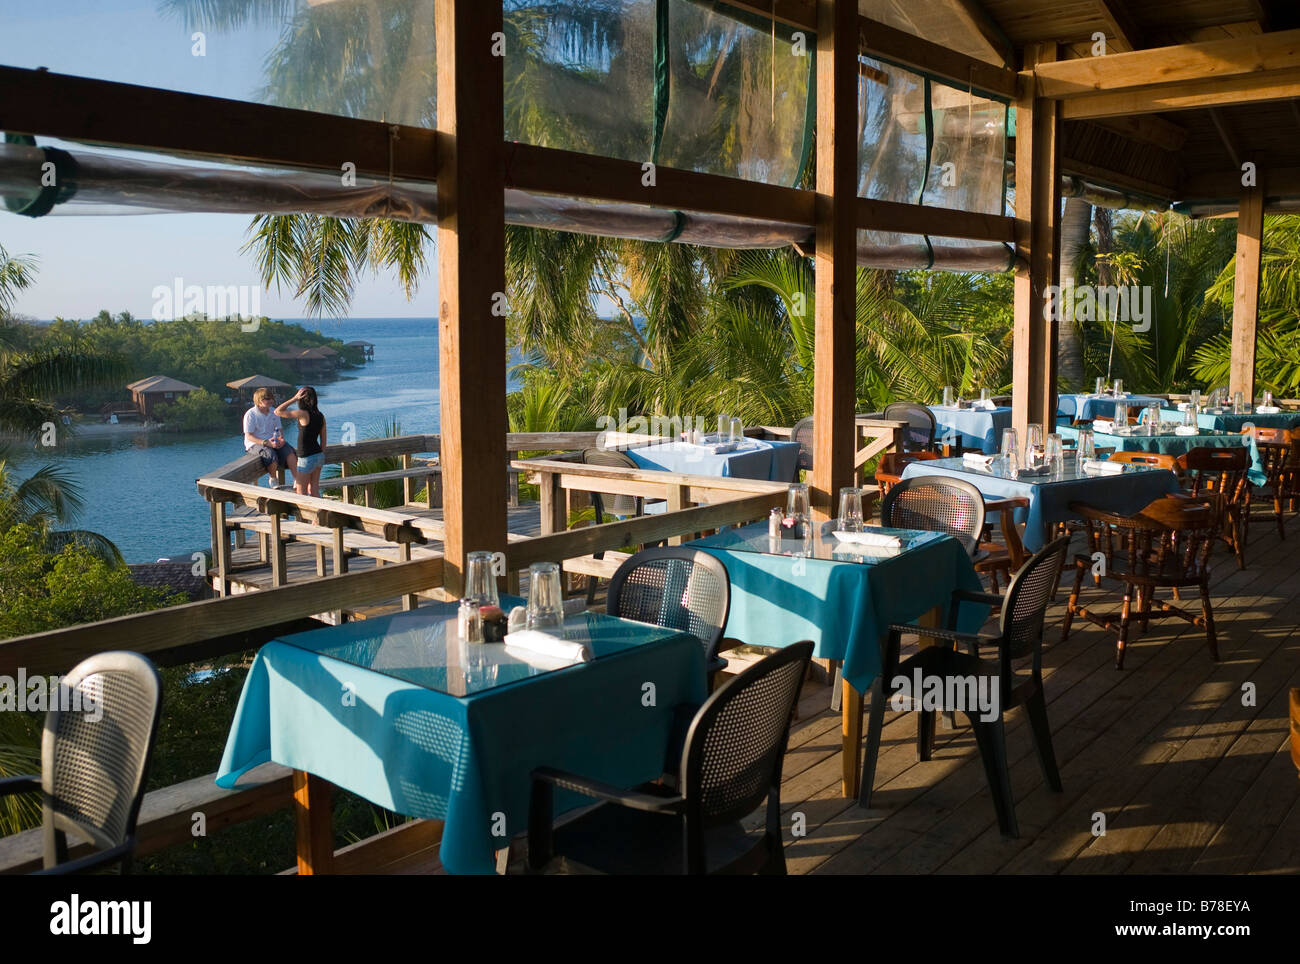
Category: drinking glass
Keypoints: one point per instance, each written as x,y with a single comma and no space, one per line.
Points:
737,430
1153,419
1119,386
1100,386
1238,403
480,584
1189,416
1267,400
1087,447
1033,445
1011,450
984,395
796,506
545,601
947,396
1194,398
1054,452
724,422
1121,416
850,510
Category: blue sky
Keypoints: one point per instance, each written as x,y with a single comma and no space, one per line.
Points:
93,262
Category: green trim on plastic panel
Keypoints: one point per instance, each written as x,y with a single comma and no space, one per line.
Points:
663,78
929,160
48,195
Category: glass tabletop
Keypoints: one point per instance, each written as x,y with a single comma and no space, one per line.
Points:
755,538
423,647
1072,472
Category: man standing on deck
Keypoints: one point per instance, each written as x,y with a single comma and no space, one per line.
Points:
263,434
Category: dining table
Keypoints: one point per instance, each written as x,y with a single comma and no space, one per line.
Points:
1085,407
1049,496
1136,439
843,596
749,458
1225,420
968,427
403,712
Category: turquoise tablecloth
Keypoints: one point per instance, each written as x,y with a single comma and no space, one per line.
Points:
1175,445
843,607
755,459
1227,422
971,428
1049,499
1088,407
407,745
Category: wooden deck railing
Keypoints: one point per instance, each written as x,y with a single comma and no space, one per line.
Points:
239,623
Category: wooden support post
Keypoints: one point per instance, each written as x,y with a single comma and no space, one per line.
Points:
553,517
408,482
835,329
221,550
339,551
279,565
512,482
320,561
1038,125
409,601
368,496
347,489
1245,292
312,805
678,499
471,280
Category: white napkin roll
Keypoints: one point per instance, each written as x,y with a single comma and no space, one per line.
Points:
1184,406
1186,430
984,405
1099,467
544,644
1267,410
977,461
878,539
1104,425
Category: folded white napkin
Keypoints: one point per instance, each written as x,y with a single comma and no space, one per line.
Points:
977,461
1186,430
878,539
1267,410
984,405
717,448
1103,425
1184,406
544,644
1098,467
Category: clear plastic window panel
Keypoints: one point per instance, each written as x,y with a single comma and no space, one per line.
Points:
891,156
968,154
738,95
579,76
371,59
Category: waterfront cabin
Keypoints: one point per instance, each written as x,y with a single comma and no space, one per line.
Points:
149,393
245,387
366,348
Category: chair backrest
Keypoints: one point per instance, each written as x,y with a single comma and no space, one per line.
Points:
736,743
1025,605
889,472
1067,406
920,420
1216,472
1170,538
617,504
803,434
1159,459
675,587
936,503
95,751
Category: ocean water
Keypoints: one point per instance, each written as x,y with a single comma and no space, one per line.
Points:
139,489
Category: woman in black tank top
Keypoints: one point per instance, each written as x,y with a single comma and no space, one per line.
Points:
311,442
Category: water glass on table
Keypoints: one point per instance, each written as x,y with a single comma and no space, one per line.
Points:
737,430
480,583
1238,403
724,425
1087,446
1119,386
1054,452
1011,450
545,599
1194,398
1100,386
947,396
1033,445
984,395
1121,416
850,510
796,505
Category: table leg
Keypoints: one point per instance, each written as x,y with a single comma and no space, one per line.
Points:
851,730
313,811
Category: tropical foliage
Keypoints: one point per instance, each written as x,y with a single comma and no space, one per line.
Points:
196,412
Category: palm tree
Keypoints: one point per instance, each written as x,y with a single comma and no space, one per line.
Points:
16,274
46,499
1075,224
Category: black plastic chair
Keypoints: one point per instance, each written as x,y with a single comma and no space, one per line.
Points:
1020,635
619,505
731,760
919,435
679,588
938,504
803,434
94,757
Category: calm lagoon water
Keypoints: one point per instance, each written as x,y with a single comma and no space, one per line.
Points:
139,488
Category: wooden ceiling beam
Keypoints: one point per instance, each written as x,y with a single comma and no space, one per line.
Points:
1230,140
1253,88
1164,67
1148,129
1120,23
1226,185
989,30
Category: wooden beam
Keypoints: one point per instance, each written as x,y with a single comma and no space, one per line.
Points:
1037,214
988,28
835,325
1226,184
1256,88
918,219
1148,129
471,281
1165,67
1245,292
80,108
1227,136
550,171
1120,23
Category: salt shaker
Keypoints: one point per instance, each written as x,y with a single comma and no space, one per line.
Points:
469,621
774,520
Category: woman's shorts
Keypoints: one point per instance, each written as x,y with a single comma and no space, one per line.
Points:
310,463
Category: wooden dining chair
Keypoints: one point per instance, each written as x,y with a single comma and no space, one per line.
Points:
730,764
1279,456
1220,475
1019,638
890,470
1165,546
1158,460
